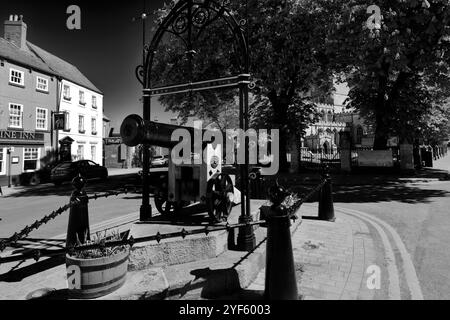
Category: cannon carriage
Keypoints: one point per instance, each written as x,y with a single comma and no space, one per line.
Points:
199,181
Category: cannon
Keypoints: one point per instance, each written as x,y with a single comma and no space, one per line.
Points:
185,183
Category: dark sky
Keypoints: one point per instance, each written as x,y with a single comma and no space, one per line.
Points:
107,49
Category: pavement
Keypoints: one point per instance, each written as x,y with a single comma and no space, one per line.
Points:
369,252
351,258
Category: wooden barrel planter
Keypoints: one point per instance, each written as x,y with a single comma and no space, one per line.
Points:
93,278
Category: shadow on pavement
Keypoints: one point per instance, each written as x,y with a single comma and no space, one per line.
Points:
17,275
372,187
92,186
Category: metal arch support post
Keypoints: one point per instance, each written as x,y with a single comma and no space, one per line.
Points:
144,76
246,240
145,212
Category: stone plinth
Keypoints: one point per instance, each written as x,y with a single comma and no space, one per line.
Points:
178,250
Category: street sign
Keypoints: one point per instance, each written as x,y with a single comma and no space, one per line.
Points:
60,121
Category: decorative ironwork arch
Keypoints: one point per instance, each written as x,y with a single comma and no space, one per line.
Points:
191,18
186,20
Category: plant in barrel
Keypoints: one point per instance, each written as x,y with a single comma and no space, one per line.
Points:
99,271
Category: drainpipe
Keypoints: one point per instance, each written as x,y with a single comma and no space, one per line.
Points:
58,105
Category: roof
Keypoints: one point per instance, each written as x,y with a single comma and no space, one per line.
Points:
39,59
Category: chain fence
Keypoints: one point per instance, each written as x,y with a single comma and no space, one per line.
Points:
22,234
37,253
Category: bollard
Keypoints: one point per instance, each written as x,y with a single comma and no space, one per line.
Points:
280,282
78,227
326,208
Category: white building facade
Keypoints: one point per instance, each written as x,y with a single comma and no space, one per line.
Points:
83,109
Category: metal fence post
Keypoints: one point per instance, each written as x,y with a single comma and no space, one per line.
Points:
78,227
326,207
280,282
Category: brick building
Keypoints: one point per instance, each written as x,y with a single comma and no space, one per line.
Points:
34,86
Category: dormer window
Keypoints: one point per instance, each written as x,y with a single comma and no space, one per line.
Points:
16,77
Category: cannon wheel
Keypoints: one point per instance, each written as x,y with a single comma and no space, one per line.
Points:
164,206
219,195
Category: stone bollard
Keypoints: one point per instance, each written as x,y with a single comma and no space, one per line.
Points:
326,207
78,227
280,282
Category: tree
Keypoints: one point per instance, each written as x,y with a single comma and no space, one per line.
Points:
287,58
397,67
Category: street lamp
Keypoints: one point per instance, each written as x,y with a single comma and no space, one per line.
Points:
145,212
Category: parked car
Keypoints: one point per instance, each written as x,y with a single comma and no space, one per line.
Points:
160,161
66,171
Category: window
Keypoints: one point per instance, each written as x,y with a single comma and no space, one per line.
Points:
82,102
41,119
94,126
15,115
80,152
16,77
30,159
94,102
42,84
81,124
2,161
93,152
67,92
67,121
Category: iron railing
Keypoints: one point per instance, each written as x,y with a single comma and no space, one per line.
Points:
38,253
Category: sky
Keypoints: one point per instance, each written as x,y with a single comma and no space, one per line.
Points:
106,50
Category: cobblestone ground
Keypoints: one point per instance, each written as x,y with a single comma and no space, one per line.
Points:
331,260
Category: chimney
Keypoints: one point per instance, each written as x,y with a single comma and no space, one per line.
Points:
16,31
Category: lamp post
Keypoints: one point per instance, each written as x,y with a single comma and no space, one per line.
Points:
145,212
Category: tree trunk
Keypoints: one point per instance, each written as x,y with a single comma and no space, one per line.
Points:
381,129
284,165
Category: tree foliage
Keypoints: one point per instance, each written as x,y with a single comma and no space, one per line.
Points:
287,58
398,69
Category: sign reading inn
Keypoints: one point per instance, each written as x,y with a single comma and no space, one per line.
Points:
26,137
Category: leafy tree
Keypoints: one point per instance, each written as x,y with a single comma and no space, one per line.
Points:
397,68
287,58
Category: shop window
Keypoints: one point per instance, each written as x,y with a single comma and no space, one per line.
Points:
30,159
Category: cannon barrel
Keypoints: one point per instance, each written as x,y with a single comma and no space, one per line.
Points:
135,130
